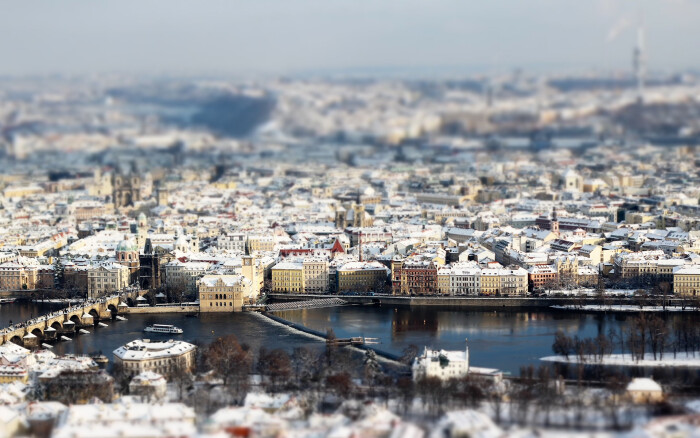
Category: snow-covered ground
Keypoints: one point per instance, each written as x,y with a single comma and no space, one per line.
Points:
689,360
623,308
590,292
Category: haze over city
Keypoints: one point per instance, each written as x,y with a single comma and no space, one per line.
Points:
343,219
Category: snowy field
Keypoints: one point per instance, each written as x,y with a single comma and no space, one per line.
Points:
680,360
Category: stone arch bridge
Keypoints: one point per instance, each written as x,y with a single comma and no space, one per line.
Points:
66,321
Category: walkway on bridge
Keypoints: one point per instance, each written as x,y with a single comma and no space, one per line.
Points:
308,304
68,319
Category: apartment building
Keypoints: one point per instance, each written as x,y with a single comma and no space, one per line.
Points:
288,277
184,274
686,280
232,242
106,278
414,277
315,272
361,276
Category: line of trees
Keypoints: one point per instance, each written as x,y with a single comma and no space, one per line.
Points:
646,334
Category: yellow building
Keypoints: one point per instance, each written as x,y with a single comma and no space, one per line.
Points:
361,276
503,281
490,281
223,293
14,276
13,373
260,244
288,277
443,280
686,280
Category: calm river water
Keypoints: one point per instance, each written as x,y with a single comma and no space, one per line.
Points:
506,339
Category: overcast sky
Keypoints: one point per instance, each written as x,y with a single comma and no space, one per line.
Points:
290,36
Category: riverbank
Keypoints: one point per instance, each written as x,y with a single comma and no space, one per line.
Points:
479,303
623,308
159,309
669,360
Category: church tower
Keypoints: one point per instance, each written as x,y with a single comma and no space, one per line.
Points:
142,230
128,255
554,228
162,196
248,271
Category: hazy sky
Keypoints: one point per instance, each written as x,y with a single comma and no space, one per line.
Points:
287,36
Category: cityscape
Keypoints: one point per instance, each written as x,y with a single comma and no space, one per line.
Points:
332,250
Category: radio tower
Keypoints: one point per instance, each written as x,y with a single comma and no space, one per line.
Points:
639,63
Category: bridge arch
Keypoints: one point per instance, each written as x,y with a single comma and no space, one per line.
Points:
95,315
57,325
38,332
17,340
113,309
130,302
75,319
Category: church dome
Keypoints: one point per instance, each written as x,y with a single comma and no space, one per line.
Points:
126,245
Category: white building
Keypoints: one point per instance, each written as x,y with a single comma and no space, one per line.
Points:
149,386
232,242
441,364
159,357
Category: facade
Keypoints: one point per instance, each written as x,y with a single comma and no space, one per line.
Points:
315,272
232,242
106,278
184,275
223,293
542,276
416,277
14,276
464,279
442,364
686,280
149,386
288,277
163,358
13,373
361,276
126,190
260,243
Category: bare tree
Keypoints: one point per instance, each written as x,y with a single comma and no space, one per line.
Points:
231,362
276,366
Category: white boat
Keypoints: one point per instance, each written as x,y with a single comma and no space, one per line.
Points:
65,338
163,328
102,324
83,332
120,318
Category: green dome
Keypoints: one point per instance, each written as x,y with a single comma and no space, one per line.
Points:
127,245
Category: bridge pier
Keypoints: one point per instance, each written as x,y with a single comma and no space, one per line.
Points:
30,341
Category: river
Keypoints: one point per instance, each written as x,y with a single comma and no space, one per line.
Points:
505,339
